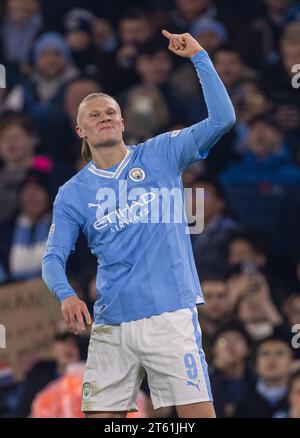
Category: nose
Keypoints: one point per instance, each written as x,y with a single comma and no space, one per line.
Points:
105,118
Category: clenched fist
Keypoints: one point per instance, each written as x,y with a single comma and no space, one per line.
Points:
182,44
73,311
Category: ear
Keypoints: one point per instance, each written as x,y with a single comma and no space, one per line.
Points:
123,125
80,132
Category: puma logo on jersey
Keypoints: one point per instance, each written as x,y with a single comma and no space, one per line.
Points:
194,384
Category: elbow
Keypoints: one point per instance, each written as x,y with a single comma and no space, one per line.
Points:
49,265
229,120
44,268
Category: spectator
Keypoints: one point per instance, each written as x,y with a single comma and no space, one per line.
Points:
256,310
145,112
230,377
31,229
18,140
61,398
217,310
278,81
104,36
293,398
134,31
65,351
273,362
251,251
41,97
193,172
61,142
260,40
210,246
231,67
78,34
212,34
257,188
291,311
18,145
249,248
154,67
22,23
250,101
187,11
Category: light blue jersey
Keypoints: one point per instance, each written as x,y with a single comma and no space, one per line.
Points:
145,260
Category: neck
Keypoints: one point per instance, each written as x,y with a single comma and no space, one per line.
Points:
236,371
18,165
109,156
61,368
275,383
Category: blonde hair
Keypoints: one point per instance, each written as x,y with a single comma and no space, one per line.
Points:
86,154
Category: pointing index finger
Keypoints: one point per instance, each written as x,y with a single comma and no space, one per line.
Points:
166,33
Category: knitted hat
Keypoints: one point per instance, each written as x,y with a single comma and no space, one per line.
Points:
78,20
207,24
51,40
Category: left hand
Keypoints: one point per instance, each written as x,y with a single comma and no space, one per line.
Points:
182,44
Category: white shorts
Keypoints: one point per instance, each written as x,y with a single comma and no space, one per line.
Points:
167,346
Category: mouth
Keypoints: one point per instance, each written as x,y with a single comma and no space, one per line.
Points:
105,128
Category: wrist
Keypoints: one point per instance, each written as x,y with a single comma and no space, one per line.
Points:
197,54
68,294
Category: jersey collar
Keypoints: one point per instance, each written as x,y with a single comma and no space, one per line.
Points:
109,174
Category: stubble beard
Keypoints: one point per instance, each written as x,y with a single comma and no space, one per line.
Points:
107,143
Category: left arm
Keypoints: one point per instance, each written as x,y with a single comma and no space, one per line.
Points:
182,148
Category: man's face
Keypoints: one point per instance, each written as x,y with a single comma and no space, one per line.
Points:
78,40
273,360
229,349
21,10
250,309
191,9
263,139
100,122
216,299
154,69
209,39
15,144
240,251
229,66
293,312
50,63
290,56
213,205
34,200
278,5
134,30
66,352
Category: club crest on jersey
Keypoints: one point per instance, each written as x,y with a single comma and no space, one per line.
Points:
137,174
86,391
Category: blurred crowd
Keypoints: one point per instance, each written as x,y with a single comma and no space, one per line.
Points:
247,257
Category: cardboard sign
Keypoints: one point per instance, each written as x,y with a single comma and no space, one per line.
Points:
30,315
